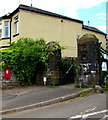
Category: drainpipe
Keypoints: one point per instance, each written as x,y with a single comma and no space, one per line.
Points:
10,30
100,65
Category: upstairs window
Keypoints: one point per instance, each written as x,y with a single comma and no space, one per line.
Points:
0,30
16,25
7,29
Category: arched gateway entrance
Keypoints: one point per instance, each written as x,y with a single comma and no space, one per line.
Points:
88,61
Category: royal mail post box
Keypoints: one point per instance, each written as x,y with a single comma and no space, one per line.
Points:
7,73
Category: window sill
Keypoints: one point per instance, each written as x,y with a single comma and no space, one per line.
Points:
4,47
5,38
16,35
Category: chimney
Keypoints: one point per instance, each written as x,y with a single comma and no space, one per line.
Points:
89,24
31,3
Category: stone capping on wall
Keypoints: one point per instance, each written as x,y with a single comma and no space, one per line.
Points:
88,37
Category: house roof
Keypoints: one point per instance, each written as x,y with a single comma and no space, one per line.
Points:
40,11
93,29
4,17
37,10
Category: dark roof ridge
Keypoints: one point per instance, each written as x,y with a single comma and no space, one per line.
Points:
34,9
90,28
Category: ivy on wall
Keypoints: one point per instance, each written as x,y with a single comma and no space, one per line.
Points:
24,56
68,70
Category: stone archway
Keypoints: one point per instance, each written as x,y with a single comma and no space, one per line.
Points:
88,61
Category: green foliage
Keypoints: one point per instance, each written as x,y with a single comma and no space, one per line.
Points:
84,93
23,57
53,86
53,46
66,63
105,86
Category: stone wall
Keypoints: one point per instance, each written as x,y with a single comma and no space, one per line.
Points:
9,83
88,59
52,71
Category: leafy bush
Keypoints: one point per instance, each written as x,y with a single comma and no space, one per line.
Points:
23,56
68,70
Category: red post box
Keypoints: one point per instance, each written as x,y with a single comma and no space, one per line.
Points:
7,73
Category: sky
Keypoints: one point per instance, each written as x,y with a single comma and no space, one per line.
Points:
85,10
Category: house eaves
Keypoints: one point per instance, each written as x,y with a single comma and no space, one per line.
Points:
5,17
44,12
93,29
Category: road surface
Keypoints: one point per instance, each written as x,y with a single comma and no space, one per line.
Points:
93,106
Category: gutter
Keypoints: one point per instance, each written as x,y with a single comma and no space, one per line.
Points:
90,29
10,30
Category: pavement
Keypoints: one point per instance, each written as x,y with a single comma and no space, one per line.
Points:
20,99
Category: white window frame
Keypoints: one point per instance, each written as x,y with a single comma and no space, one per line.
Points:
6,28
0,30
16,25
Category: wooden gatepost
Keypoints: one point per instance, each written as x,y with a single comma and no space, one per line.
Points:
88,61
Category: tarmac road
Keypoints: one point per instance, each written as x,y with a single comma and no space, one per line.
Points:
25,97
93,106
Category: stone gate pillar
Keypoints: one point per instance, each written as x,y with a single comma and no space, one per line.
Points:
53,70
88,61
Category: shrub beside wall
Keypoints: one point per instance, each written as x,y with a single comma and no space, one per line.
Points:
68,74
25,56
31,60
